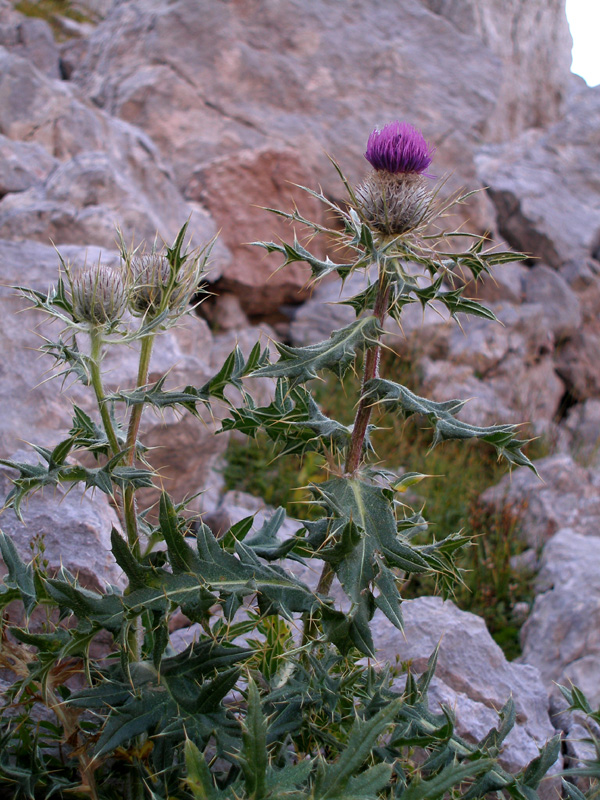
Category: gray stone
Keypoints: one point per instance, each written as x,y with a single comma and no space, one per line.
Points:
545,186
31,38
561,306
472,674
218,102
562,635
22,165
565,497
583,427
67,528
111,173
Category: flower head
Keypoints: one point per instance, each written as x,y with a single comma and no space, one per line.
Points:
98,294
154,286
398,148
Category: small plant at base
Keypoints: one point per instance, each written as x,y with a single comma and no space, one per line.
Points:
273,698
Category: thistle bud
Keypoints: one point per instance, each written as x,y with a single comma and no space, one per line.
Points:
395,198
99,295
151,279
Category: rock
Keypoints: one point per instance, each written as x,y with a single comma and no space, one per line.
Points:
561,306
69,529
32,39
472,676
562,635
577,363
249,79
535,63
22,165
566,497
111,172
583,427
557,225
262,178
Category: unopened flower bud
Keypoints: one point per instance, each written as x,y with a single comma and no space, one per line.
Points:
99,295
395,198
151,279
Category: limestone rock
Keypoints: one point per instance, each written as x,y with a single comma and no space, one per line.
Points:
111,173
472,674
31,38
566,497
562,635
22,165
264,75
583,427
73,528
561,305
545,185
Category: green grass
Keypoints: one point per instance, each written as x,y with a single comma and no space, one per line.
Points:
49,10
462,470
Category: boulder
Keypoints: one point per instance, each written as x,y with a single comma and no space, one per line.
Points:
111,173
213,88
263,178
562,635
472,676
66,528
565,497
545,186
32,39
22,165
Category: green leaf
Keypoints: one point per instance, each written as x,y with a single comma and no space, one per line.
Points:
388,600
198,778
253,756
332,779
136,717
452,776
300,364
181,556
538,768
20,575
294,253
442,416
156,397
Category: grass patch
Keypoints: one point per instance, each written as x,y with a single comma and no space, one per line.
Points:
462,470
49,10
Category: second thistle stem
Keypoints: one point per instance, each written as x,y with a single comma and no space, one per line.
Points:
129,511
96,376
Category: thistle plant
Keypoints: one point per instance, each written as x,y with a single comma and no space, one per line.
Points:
273,698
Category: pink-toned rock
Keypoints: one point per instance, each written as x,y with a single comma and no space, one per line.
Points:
235,190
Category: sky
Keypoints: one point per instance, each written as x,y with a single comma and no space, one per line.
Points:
584,21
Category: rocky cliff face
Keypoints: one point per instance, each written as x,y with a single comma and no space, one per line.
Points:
165,109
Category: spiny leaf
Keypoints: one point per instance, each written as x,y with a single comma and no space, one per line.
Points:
198,778
253,756
442,416
332,779
20,575
451,776
297,252
300,364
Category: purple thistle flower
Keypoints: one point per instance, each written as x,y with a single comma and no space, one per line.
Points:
398,148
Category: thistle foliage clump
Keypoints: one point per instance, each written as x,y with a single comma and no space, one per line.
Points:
274,698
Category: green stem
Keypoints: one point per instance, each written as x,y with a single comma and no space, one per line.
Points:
129,511
363,412
96,360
